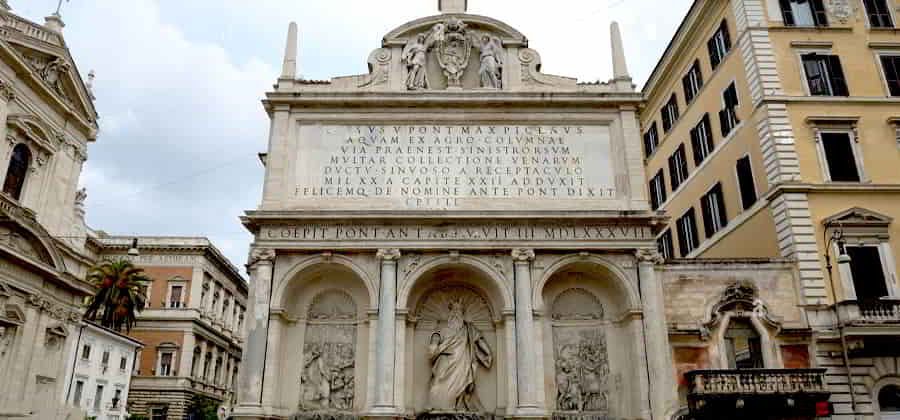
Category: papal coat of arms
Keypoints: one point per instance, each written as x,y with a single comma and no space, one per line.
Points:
453,48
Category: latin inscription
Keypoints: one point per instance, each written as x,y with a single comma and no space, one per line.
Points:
466,232
454,166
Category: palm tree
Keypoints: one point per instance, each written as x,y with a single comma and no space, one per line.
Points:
121,294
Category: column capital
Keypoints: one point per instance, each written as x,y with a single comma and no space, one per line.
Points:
390,254
649,256
261,256
523,255
6,91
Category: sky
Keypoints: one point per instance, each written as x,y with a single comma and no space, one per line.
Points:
179,84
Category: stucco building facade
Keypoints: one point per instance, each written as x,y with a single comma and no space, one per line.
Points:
191,328
770,131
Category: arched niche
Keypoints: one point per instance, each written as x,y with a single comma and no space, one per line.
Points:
428,302
590,341
320,333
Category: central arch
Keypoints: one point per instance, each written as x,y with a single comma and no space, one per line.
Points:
497,287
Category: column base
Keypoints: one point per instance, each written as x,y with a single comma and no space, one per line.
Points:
253,412
529,412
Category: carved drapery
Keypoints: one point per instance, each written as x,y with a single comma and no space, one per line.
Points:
327,380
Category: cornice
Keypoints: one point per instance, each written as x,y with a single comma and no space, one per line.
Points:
267,216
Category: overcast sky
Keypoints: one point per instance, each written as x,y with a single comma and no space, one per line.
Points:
179,84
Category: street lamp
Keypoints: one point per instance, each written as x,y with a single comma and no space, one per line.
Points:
837,236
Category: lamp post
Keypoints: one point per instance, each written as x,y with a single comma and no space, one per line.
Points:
837,236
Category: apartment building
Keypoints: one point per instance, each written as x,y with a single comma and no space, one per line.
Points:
191,328
772,130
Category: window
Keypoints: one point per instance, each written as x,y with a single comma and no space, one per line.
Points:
714,216
17,171
105,360
79,389
86,352
175,296
891,66
651,140
692,82
165,363
123,363
803,13
195,362
879,13
657,190
840,159
670,113
824,75
206,362
117,398
158,413
688,239
701,140
745,182
743,345
719,45
678,170
728,118
868,273
98,397
217,373
665,245
889,402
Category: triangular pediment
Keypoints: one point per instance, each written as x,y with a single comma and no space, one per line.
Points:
58,73
58,330
22,242
858,216
12,315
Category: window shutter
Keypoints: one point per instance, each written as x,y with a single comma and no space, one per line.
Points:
706,204
838,82
698,72
688,90
821,16
726,37
719,196
814,77
648,146
713,52
723,122
675,113
891,65
786,12
695,144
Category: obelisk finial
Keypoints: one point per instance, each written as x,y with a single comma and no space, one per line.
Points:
453,6
620,67
289,67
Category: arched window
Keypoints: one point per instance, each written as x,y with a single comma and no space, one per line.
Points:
18,170
744,345
195,362
889,402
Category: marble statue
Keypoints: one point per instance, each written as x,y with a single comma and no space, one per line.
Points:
415,58
455,352
491,71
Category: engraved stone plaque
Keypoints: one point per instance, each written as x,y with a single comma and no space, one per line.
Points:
453,167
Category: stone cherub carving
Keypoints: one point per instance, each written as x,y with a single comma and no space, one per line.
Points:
455,352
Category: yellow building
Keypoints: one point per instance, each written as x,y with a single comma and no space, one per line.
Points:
772,130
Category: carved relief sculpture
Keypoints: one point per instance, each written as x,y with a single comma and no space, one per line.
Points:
491,71
415,58
455,352
454,47
841,10
53,74
327,378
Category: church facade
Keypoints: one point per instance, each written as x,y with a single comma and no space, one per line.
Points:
457,235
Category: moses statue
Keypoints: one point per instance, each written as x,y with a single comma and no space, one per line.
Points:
455,352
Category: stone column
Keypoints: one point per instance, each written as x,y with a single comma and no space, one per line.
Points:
386,332
659,354
527,377
253,359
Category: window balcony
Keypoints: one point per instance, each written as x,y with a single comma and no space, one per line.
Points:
871,313
718,394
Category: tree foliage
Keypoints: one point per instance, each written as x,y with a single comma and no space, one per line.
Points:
121,294
204,408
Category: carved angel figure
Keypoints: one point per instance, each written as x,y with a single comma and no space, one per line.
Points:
415,56
491,71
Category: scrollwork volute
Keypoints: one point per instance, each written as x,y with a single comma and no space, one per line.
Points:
391,254
649,256
523,255
261,256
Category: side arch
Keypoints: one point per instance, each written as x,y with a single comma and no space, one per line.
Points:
499,283
340,261
618,276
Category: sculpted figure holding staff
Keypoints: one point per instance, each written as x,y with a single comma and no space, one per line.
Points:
455,352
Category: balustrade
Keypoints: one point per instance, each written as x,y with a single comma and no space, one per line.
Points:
756,382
